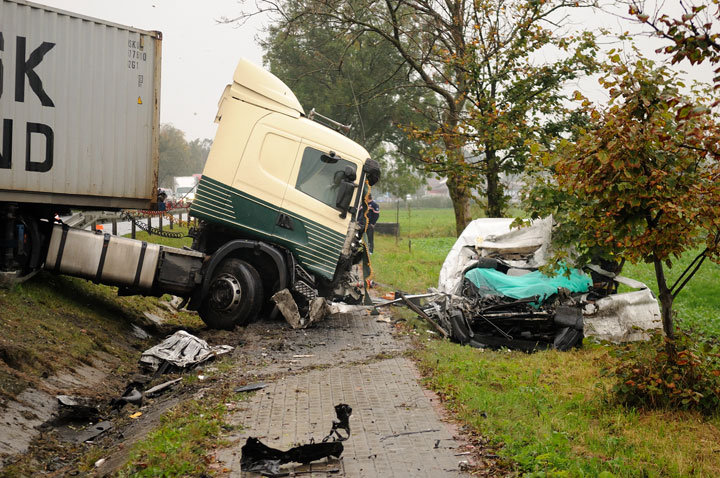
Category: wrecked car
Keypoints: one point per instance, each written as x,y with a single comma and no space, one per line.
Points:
492,294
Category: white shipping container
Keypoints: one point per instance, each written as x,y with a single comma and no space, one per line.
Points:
79,109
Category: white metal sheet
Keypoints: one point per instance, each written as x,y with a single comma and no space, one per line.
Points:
79,108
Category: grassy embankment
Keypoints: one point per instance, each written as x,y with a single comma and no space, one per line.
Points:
55,323
547,413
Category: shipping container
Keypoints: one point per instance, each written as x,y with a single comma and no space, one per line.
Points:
79,109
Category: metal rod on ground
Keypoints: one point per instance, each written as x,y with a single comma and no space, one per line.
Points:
422,314
415,296
409,433
114,227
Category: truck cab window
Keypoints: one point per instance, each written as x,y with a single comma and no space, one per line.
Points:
321,179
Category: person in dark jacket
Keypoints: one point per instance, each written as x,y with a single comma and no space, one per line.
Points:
373,214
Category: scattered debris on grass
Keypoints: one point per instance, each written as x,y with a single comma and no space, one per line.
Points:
491,294
77,408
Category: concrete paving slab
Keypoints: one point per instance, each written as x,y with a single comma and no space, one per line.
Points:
396,431
396,428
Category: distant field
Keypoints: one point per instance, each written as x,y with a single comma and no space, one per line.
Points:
421,222
166,241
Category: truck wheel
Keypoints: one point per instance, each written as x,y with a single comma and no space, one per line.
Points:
234,297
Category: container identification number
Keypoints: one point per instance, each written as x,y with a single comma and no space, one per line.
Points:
136,55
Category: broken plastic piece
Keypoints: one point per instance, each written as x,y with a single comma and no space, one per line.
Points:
288,308
82,435
132,396
159,388
343,412
319,309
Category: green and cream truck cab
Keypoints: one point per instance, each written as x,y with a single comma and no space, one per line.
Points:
277,200
277,206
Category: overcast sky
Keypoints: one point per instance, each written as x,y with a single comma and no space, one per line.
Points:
200,55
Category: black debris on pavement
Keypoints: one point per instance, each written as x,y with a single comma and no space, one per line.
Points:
260,458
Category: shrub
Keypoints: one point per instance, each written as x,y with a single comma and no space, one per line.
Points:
682,374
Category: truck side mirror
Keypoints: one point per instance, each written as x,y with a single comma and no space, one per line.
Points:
372,171
346,188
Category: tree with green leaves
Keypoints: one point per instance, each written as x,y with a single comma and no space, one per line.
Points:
642,181
353,80
512,97
400,177
444,45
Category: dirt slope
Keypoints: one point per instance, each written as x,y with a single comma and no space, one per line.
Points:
65,336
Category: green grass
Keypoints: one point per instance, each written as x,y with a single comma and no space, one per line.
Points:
411,265
178,447
548,413
421,222
429,222
53,323
165,241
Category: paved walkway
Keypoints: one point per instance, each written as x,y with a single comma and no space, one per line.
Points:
396,430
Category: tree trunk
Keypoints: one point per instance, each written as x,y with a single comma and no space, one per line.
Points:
461,204
666,300
494,189
457,184
666,303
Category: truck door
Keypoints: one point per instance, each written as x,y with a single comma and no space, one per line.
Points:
262,178
312,224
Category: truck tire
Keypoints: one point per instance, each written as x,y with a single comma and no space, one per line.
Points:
234,297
